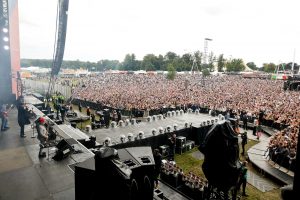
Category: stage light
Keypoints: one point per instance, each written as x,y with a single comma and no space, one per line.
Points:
5,30
5,39
141,135
175,127
113,124
186,124
122,138
6,47
107,142
148,119
130,137
161,130
154,131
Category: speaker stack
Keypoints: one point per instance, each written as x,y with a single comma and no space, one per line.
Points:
127,175
180,144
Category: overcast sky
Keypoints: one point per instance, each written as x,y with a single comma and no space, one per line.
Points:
254,30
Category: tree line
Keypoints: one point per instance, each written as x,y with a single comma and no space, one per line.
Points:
170,60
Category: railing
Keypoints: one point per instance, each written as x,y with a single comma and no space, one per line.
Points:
42,87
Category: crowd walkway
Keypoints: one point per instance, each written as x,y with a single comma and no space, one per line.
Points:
258,156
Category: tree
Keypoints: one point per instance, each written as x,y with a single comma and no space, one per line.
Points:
150,62
221,63
171,72
235,65
251,65
170,56
205,72
199,56
269,67
211,60
129,63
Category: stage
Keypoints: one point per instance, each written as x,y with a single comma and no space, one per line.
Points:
186,124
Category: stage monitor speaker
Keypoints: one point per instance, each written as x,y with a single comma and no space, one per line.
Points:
64,149
164,150
130,174
180,141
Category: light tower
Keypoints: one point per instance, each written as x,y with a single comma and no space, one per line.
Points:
206,49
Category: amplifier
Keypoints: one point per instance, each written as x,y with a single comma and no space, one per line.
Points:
164,150
180,141
189,145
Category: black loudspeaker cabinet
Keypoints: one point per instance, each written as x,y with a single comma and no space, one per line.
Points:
164,150
189,145
128,176
180,141
64,148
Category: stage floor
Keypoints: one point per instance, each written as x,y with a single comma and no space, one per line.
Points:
195,120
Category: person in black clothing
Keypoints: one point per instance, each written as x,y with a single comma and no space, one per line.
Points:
80,107
261,117
244,142
93,117
157,158
245,120
23,118
63,110
172,141
243,178
119,115
58,109
88,111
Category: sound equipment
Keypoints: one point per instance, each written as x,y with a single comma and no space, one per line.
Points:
180,141
64,148
164,150
129,174
189,145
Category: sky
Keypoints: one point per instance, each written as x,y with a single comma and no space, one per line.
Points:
259,31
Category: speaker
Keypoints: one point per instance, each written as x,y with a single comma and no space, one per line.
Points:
180,141
189,145
64,149
164,150
129,174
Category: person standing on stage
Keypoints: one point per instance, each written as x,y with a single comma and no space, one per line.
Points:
244,141
172,141
243,178
157,158
4,117
23,118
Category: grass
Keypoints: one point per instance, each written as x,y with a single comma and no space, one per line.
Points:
188,163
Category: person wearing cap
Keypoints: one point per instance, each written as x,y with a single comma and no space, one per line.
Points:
42,134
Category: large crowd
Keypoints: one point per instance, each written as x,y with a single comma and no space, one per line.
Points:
146,92
223,93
